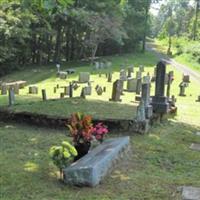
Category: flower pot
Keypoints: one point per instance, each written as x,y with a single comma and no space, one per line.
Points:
82,150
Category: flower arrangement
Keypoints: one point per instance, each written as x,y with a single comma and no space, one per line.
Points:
63,155
84,132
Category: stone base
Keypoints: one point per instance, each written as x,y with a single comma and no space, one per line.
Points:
149,111
92,168
119,100
160,104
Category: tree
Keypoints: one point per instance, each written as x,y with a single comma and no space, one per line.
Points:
196,19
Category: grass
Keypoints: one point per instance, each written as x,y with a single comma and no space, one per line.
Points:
184,58
158,164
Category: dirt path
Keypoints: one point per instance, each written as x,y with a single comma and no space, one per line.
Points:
183,68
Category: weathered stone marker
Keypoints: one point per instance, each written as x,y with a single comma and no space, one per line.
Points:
186,78
122,75
11,97
88,90
99,90
33,90
141,68
195,147
138,75
109,77
83,93
44,95
16,88
190,193
131,84
62,95
54,90
70,90
182,87
92,168
159,101
66,90
3,89
140,115
146,100
170,79
130,71
139,86
116,92
84,77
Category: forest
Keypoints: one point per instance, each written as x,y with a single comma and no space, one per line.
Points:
35,32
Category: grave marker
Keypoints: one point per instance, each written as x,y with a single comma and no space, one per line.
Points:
116,92
33,90
3,89
11,97
182,87
139,86
131,84
44,95
122,75
84,77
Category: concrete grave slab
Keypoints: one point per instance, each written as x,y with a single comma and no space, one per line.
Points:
92,168
190,193
195,147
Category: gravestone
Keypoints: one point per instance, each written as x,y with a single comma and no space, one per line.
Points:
96,67
116,91
16,88
33,90
62,75
186,79
122,75
141,68
195,147
62,95
182,87
137,98
153,79
66,90
139,86
146,79
130,71
70,71
99,90
54,90
11,97
104,89
75,86
58,67
159,101
170,80
99,162
138,75
88,90
109,77
131,84
140,115
190,193
57,86
70,90
83,93
198,99
146,100
84,77
44,95
3,89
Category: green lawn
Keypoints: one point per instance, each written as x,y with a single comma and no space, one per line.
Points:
158,163
184,58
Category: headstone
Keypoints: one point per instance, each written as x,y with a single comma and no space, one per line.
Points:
83,94
116,92
11,97
16,88
75,86
182,87
99,162
146,100
109,64
130,71
3,89
138,75
33,90
140,116
58,67
198,99
139,86
44,95
170,79
141,68
190,193
70,90
159,101
70,71
131,84
153,79
137,98
195,147
88,90
99,90
62,95
57,86
109,77
186,78
54,90
122,87
99,75
146,79
122,75
101,65
84,77
96,67
104,89
66,90
63,75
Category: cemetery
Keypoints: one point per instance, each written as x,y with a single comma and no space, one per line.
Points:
82,118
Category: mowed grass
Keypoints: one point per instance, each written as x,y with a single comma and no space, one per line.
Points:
157,164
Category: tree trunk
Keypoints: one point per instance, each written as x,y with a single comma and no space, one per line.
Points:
58,44
196,19
169,47
145,27
94,53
